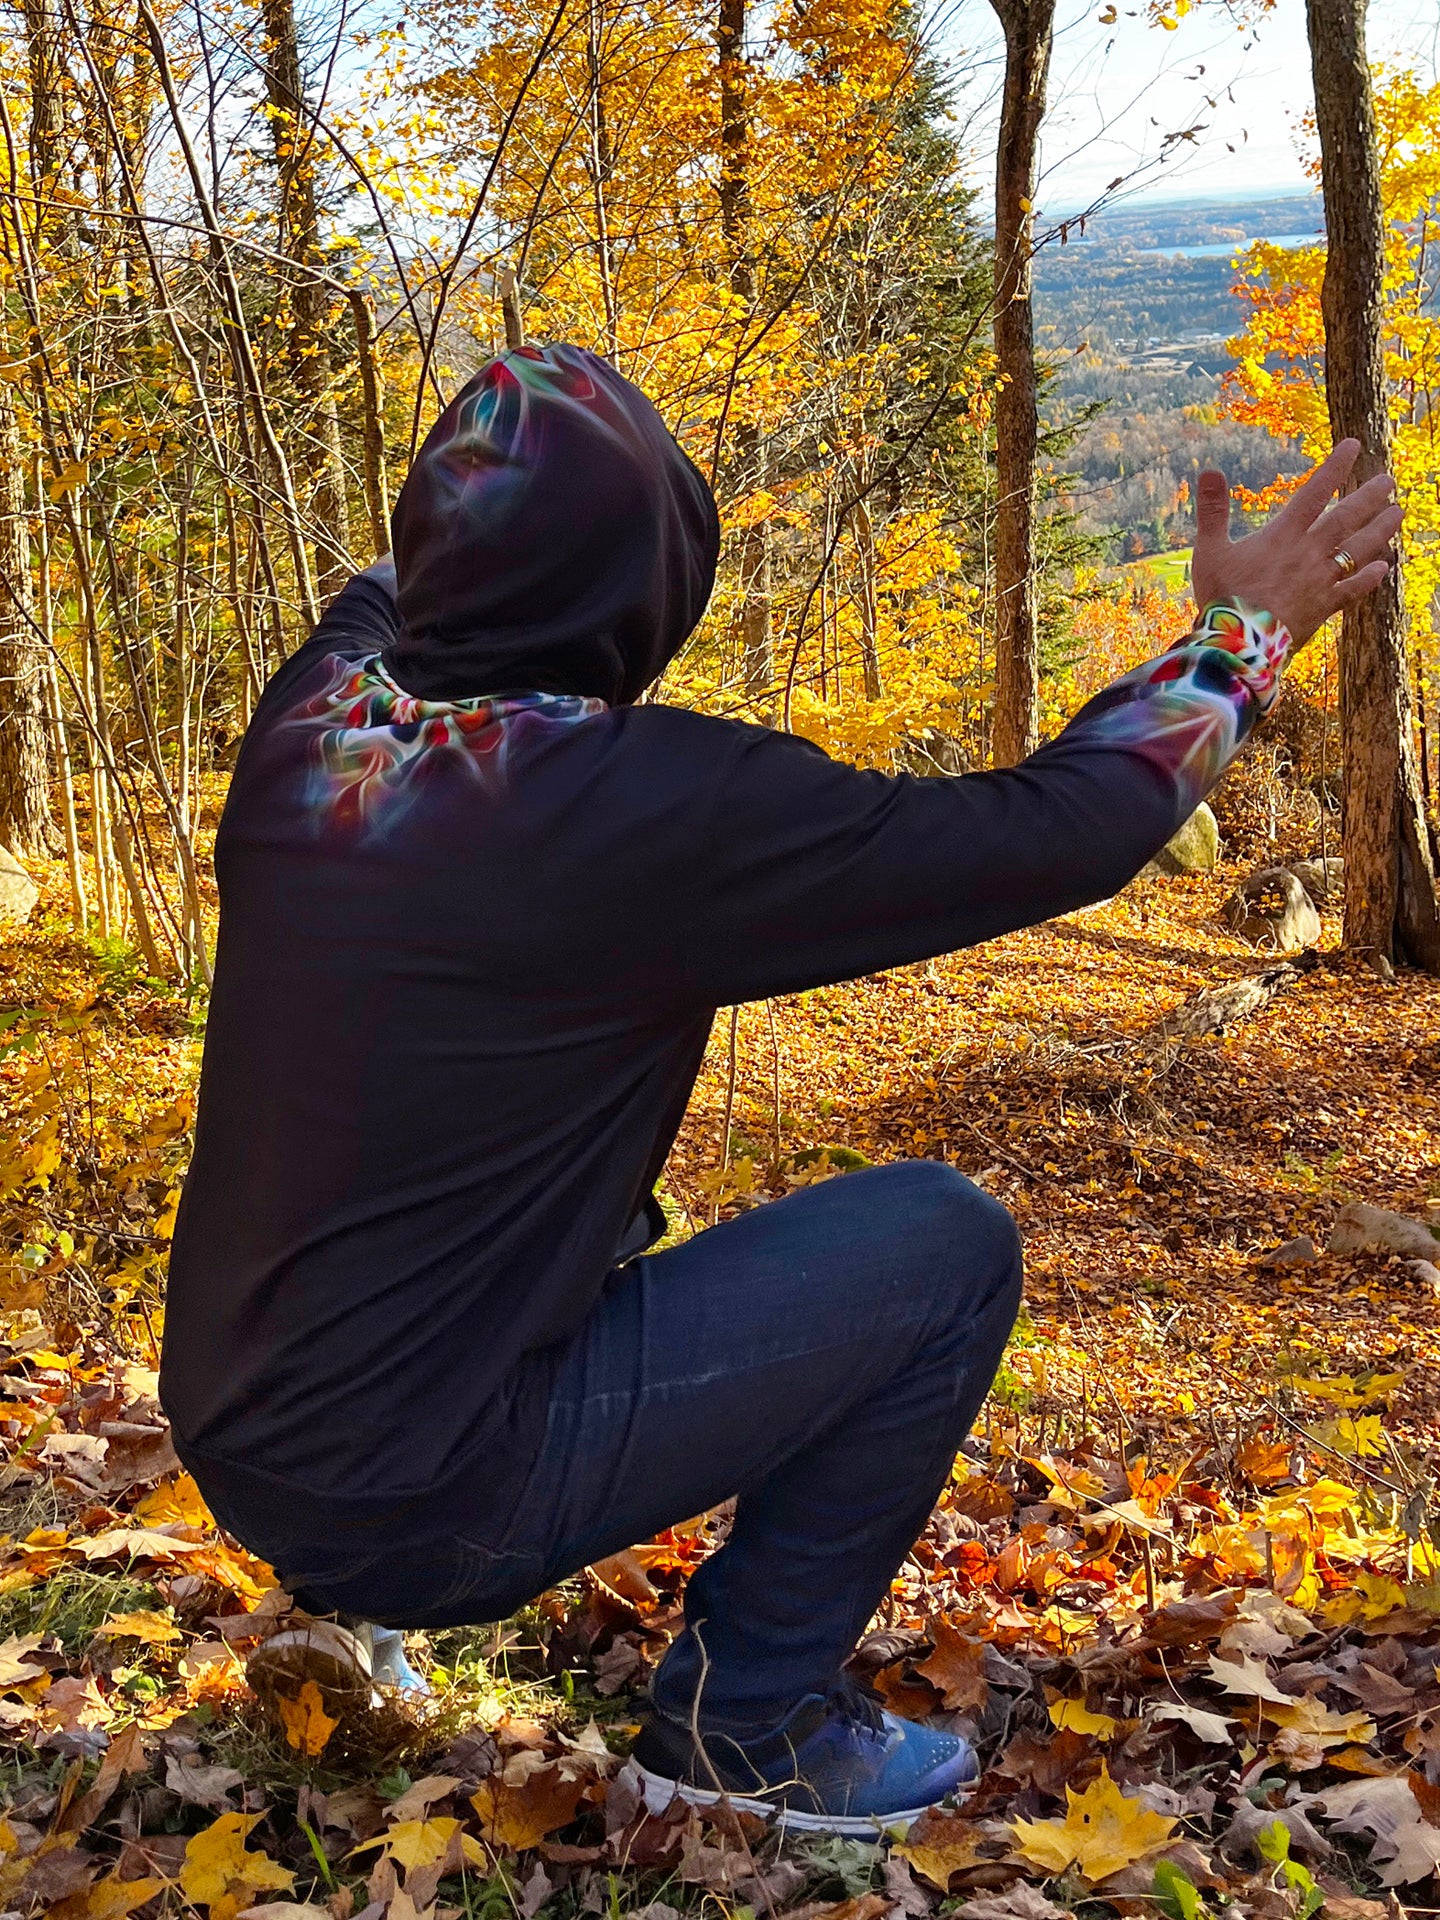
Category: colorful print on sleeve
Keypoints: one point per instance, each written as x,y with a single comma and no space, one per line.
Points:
372,743
1191,710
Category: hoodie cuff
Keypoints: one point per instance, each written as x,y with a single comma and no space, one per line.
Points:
1189,712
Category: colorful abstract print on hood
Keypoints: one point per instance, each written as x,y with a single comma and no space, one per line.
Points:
1191,710
373,742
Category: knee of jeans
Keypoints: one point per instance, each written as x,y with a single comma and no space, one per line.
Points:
973,1235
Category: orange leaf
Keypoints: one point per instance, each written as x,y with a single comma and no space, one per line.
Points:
308,1726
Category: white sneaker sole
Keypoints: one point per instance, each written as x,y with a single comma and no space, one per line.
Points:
660,1793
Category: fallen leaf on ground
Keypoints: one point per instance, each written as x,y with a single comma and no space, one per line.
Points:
1248,1677
136,1543
109,1899
1073,1716
155,1629
220,1872
1102,1831
307,1725
421,1843
1211,1727
940,1845
518,1809
956,1669
15,1669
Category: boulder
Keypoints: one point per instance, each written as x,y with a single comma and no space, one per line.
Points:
18,892
1299,1252
1195,848
1323,880
1358,1225
1271,909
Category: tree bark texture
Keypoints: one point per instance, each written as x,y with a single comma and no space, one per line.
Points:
377,492
25,822
736,217
310,302
1390,904
1029,32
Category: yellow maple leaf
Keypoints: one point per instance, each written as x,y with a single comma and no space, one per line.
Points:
108,1899
1073,1716
1309,1729
177,1501
155,1629
1370,1597
1360,1436
219,1872
1102,1832
307,1725
421,1843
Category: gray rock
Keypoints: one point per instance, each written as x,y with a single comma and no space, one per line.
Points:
1323,880
1271,909
1358,1226
1195,848
18,892
1299,1252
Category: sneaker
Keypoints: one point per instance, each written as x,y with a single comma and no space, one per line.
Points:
346,1663
388,1664
837,1763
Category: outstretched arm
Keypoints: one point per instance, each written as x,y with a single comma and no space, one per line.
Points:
821,872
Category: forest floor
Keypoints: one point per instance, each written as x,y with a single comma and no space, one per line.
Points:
1184,1594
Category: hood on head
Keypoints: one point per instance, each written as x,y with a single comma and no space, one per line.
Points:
551,535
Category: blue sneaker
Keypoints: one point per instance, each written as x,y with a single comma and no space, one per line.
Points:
837,1763
388,1664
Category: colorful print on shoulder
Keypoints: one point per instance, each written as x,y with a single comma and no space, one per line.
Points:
373,744
1191,710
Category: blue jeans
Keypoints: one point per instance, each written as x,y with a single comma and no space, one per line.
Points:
821,1357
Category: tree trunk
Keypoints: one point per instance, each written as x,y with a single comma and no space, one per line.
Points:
377,499
308,348
1390,905
25,823
1029,30
736,214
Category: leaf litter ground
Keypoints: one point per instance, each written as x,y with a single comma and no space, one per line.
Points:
1182,1589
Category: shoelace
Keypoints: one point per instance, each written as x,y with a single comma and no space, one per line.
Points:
857,1705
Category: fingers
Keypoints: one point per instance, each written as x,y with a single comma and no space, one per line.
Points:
1212,506
1372,540
1357,512
1361,583
1309,501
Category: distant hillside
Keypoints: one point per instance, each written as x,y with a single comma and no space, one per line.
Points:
1134,315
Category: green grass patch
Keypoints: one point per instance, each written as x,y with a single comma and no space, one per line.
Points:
1168,570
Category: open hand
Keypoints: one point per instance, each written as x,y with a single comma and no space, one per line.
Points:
1288,568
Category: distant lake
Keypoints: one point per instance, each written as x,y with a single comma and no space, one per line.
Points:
1214,249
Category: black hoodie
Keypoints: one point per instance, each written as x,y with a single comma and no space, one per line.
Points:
477,911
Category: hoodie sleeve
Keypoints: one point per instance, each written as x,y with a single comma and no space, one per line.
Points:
821,872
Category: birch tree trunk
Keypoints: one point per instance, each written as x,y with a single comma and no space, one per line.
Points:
1029,31
1390,904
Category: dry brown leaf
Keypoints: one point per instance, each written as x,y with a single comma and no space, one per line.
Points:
417,1801
940,1845
956,1669
519,1811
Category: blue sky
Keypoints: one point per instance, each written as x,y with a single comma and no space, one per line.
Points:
1116,91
